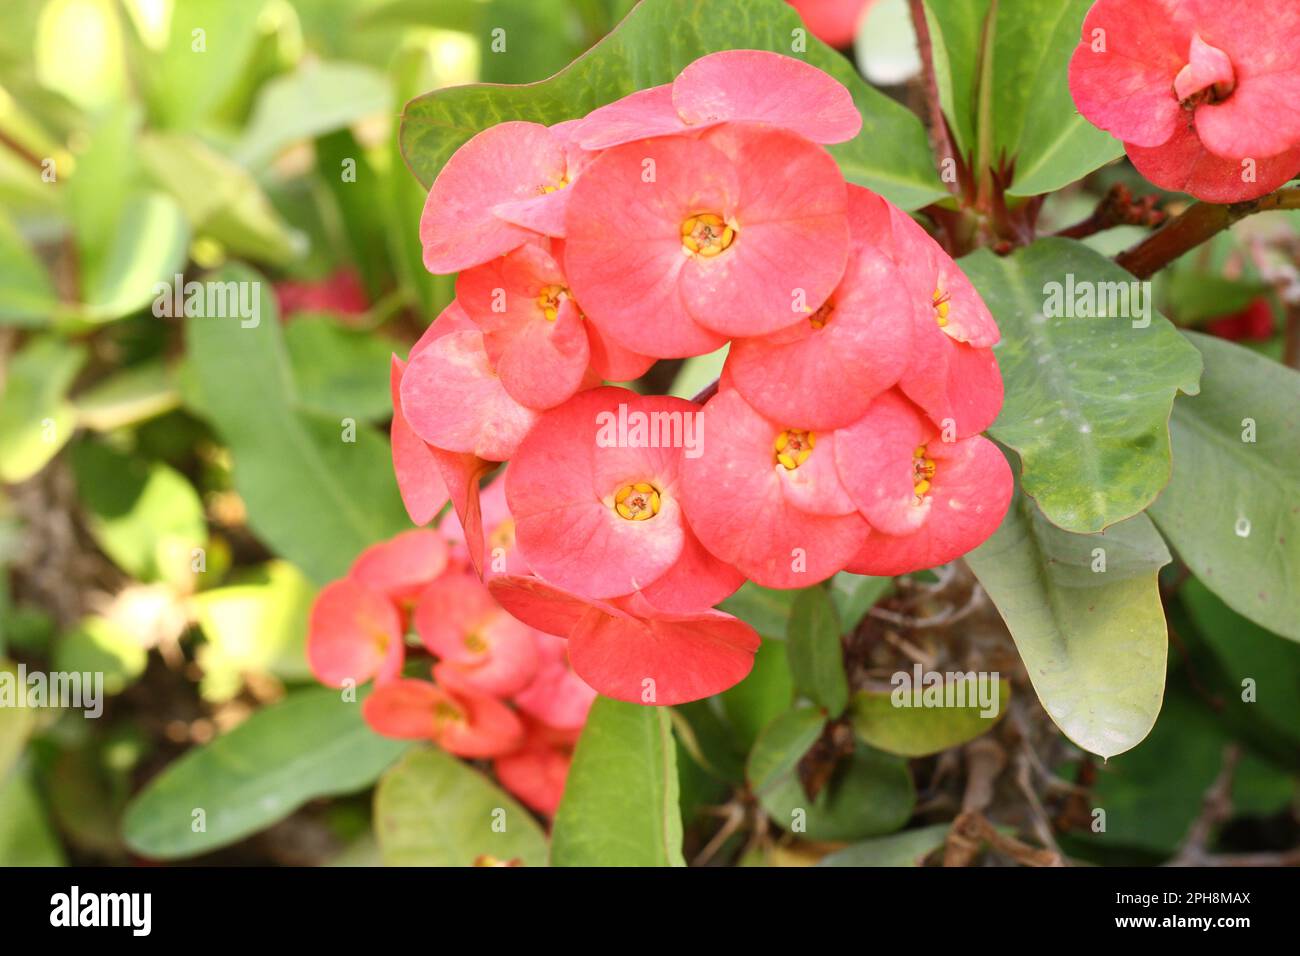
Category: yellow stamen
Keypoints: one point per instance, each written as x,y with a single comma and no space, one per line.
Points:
550,299
922,471
706,234
941,307
475,644
637,502
792,447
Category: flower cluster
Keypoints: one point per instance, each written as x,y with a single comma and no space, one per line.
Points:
843,432
483,659
1205,94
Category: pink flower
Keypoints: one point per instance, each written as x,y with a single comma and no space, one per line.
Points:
1205,94
766,497
675,244
928,501
832,21
729,86
488,649
556,696
401,567
497,535
460,719
502,188
630,651
537,771
823,373
354,633
953,375
453,399
596,502
340,293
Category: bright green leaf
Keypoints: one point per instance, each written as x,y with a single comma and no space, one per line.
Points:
36,420
340,371
99,646
145,515
909,848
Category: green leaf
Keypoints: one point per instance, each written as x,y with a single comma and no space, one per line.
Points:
146,516
780,747
221,200
1152,794
768,690
312,744
1247,652
816,657
855,594
27,296
867,795
99,646
649,48
148,246
1232,509
339,371
1093,641
698,372
258,624
16,723
1011,61
203,56
433,810
766,610
36,419
909,848
1087,399
128,396
315,499
918,731
25,835
620,800
319,97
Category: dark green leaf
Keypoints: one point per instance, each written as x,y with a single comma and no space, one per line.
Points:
312,744
816,657
1087,399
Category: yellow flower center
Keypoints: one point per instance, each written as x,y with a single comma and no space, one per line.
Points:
475,644
638,502
922,472
792,447
547,189
446,712
941,307
550,299
706,234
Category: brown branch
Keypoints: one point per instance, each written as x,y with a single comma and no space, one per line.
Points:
1216,808
1116,208
1195,225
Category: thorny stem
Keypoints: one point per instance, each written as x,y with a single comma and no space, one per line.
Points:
1195,225
1116,208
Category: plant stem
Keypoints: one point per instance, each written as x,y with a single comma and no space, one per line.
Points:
940,138
1195,225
